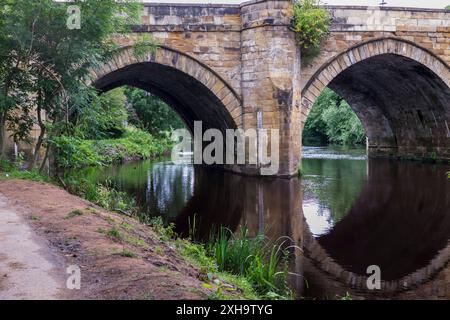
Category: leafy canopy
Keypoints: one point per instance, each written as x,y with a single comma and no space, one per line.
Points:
44,65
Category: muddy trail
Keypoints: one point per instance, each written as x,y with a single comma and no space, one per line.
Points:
44,230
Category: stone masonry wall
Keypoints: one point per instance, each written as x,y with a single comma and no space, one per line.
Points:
428,28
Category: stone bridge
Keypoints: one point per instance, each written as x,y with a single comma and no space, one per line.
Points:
238,66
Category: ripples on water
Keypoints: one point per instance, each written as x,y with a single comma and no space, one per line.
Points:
356,212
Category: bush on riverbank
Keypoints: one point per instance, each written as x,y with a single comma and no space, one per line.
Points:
263,263
134,144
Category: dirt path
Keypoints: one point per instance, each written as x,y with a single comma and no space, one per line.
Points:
27,268
44,229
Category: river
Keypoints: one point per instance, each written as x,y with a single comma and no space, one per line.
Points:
346,213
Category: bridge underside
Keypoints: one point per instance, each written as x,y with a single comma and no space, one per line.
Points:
188,96
403,106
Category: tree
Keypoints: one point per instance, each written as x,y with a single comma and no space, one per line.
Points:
152,114
57,59
332,120
15,54
103,118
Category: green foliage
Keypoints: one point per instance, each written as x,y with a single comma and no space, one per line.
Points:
114,234
134,144
103,118
103,195
265,265
232,253
197,255
45,65
144,45
256,267
165,232
447,7
127,254
10,170
74,153
151,113
311,24
332,120
73,214
346,297
5,165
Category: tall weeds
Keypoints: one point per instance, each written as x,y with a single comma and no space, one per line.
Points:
263,263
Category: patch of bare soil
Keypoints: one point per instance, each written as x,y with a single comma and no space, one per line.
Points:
119,258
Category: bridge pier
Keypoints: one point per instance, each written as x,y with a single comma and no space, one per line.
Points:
270,72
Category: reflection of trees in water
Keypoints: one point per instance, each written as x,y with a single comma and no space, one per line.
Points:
336,184
160,189
169,187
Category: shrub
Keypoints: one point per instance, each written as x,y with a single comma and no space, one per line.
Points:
264,264
74,153
311,24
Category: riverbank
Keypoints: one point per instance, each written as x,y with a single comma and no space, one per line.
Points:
119,257
134,144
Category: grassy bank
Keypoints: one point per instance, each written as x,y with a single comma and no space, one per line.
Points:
134,144
231,266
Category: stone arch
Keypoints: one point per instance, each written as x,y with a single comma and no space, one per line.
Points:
193,89
399,90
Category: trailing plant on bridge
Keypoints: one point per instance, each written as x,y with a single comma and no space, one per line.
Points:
311,24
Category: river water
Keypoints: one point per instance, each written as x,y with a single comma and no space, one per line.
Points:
346,213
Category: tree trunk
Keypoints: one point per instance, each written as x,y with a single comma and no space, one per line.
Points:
3,134
41,134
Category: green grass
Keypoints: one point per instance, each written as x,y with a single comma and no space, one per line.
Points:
114,234
158,250
264,264
165,233
135,241
252,265
73,214
35,217
126,254
33,175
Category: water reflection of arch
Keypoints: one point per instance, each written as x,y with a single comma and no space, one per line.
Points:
320,258
394,221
